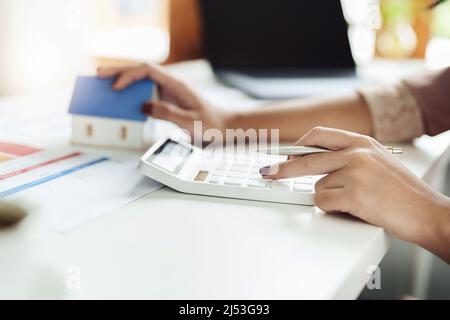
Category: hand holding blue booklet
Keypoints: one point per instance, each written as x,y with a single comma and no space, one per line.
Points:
95,97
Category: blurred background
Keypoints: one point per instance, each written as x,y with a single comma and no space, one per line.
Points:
45,44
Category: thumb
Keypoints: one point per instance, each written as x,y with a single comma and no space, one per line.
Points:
170,112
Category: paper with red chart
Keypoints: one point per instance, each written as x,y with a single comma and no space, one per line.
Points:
67,186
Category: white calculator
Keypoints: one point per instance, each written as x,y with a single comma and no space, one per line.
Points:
189,169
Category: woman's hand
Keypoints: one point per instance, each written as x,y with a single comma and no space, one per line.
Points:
365,180
178,102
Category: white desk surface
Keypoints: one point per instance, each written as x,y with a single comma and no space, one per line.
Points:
169,245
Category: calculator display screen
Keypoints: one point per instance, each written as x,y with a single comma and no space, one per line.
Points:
171,156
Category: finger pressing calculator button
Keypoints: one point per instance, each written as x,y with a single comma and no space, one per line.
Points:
281,185
257,183
234,181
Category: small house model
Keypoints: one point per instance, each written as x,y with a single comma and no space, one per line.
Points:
104,117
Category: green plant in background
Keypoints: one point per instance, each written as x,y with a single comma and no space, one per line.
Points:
441,20
397,38
408,26
395,10
404,10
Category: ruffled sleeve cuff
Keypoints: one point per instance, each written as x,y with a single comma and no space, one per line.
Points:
395,113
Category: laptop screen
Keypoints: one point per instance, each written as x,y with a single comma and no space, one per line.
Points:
275,34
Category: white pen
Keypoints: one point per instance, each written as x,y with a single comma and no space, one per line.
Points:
304,151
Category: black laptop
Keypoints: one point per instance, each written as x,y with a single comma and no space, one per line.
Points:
276,49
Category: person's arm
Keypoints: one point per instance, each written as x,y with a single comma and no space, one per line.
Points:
431,91
413,107
295,118
180,104
392,113
439,242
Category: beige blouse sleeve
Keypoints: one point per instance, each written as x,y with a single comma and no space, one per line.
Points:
395,113
416,106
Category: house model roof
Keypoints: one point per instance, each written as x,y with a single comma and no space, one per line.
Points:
95,97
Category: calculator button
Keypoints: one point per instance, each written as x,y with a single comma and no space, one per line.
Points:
303,187
255,170
305,179
241,164
263,163
239,169
281,185
221,167
263,157
257,183
308,182
215,179
239,175
303,182
220,172
201,176
229,159
255,176
242,161
234,181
